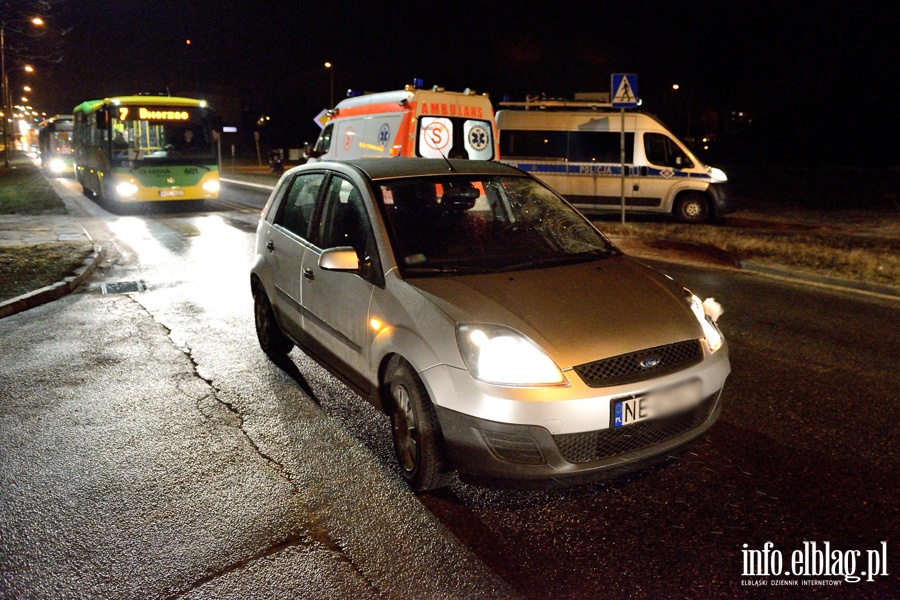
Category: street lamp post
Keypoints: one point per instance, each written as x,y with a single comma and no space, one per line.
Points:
4,79
5,88
330,68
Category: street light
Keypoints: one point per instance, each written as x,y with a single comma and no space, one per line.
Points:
4,78
330,68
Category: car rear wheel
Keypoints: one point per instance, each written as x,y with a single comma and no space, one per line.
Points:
271,339
415,430
692,207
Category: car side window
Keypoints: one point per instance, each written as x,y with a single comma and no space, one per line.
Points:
296,211
345,221
661,150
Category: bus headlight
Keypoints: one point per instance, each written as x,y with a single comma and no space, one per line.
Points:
211,186
126,189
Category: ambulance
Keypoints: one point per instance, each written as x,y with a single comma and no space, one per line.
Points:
575,147
410,122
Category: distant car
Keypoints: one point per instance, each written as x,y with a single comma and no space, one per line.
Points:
504,335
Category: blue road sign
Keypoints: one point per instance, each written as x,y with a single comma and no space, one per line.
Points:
623,90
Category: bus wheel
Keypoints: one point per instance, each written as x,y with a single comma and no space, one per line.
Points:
692,207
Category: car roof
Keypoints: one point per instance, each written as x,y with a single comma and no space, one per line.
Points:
390,168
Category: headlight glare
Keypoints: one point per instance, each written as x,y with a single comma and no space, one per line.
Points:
718,175
126,189
713,336
211,186
503,356
57,165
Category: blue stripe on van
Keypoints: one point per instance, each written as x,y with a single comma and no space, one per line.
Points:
604,169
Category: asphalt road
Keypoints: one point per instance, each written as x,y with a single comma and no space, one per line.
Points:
148,449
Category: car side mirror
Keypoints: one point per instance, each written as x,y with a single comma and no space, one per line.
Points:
339,259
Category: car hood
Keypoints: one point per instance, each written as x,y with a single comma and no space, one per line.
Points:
577,313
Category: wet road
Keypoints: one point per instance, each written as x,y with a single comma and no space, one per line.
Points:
149,445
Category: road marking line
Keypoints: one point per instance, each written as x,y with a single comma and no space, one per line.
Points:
247,183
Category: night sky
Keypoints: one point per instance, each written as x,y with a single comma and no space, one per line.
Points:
820,79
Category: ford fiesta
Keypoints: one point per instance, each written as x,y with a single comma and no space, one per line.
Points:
503,334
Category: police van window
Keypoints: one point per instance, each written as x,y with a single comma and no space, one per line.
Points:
600,146
299,202
549,145
661,150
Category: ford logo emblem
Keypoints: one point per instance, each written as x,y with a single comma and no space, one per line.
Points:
650,362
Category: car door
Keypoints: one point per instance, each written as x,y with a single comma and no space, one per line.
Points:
336,304
667,164
287,242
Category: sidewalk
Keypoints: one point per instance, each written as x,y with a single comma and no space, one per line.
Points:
22,231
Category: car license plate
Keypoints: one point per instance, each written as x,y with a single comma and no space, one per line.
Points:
659,403
170,193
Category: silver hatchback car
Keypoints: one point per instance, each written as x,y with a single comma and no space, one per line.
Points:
505,336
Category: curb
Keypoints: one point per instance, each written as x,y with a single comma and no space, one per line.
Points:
54,291
876,289
804,277
709,250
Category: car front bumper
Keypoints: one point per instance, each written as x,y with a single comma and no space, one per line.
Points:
531,454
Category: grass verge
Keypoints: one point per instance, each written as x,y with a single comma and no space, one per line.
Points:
25,191
836,249
24,269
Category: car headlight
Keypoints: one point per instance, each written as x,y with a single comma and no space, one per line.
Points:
126,189
718,175
211,186
714,338
503,356
57,165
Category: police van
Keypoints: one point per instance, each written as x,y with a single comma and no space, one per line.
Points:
575,147
410,122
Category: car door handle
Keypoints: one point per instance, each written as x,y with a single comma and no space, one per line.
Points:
270,246
308,273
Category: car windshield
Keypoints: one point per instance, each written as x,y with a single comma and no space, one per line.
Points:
473,224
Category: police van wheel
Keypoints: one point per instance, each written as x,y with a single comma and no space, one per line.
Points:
692,208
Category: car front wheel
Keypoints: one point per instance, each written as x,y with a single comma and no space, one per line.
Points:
415,430
271,339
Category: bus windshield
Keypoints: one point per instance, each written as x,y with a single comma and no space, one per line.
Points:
161,133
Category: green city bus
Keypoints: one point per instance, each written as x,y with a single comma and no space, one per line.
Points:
146,148
55,144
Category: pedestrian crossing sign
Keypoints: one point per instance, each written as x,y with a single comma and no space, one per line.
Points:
624,90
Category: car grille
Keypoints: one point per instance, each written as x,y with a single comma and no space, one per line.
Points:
626,368
605,443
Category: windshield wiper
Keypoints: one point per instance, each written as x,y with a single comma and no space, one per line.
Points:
449,270
548,261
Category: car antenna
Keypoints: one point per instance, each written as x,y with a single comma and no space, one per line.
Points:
447,160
